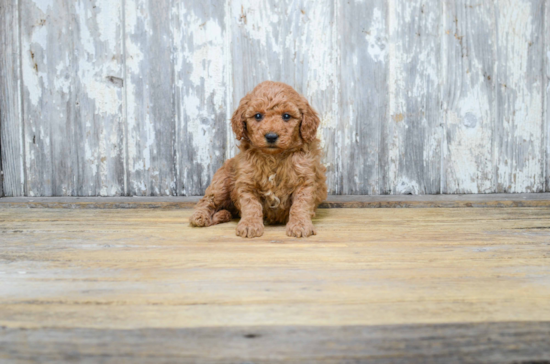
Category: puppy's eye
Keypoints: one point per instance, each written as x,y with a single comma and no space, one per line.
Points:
286,116
258,116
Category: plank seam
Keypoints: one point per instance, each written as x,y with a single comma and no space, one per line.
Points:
494,103
336,46
443,114
125,100
175,137
387,188
545,78
22,147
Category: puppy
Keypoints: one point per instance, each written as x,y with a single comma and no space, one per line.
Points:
277,177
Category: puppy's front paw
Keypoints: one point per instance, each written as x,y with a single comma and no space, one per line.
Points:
200,218
250,229
300,228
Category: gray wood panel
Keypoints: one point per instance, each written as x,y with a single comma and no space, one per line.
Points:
11,120
99,79
519,128
363,102
411,157
72,69
133,97
200,88
49,90
546,91
468,96
151,121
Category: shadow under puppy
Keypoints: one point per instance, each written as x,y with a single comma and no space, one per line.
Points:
277,177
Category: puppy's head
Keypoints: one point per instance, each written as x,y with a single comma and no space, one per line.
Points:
275,118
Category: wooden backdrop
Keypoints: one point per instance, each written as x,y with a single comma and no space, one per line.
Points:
133,97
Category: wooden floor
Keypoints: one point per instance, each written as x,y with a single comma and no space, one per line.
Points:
375,285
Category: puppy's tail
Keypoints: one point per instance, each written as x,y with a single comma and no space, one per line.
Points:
220,217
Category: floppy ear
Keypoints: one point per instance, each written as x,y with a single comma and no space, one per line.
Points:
238,121
310,123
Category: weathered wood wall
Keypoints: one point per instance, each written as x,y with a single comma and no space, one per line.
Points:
133,97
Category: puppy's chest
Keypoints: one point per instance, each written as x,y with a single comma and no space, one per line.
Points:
276,190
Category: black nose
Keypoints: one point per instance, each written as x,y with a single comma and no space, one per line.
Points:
271,137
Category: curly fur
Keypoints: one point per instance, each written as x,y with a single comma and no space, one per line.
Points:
283,183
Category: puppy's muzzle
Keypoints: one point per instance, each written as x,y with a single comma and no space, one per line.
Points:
271,137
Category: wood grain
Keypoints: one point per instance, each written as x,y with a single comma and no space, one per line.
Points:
111,98
72,69
506,342
11,119
363,40
99,80
546,92
468,96
201,72
380,283
519,127
151,120
411,135
50,117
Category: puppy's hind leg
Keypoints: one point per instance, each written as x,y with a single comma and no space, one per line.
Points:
210,210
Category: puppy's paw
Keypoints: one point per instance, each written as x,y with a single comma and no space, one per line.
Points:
250,229
200,218
300,229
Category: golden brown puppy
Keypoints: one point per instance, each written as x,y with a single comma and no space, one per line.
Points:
278,176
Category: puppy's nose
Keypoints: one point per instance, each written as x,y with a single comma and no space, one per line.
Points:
271,137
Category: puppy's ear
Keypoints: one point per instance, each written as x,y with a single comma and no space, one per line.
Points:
238,120
310,122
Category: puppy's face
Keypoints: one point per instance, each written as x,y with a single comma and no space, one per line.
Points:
273,127
275,118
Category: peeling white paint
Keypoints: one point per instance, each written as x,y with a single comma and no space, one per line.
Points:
134,58
259,21
300,42
201,63
206,57
520,165
405,186
109,25
376,37
44,5
34,63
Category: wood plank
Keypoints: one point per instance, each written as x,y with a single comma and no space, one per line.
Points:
12,181
410,157
546,95
508,342
519,148
99,83
385,284
151,130
201,74
49,123
334,201
73,101
294,42
468,96
363,102
94,266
